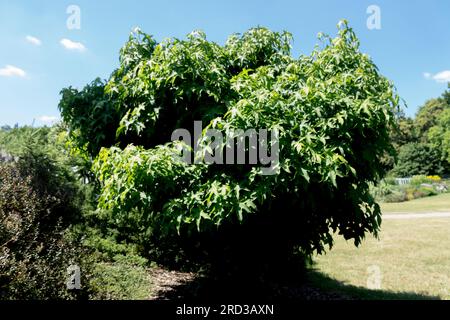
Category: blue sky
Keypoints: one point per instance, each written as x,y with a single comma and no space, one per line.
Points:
39,55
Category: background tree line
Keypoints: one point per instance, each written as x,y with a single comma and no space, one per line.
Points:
423,142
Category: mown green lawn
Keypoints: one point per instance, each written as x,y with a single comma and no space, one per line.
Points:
412,255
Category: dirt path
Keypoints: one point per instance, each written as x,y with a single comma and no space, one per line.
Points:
422,215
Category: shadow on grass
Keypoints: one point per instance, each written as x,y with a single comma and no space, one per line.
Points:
312,285
325,283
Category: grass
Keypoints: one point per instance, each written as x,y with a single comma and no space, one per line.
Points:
119,281
412,255
439,203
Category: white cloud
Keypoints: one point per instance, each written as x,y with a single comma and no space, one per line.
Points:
443,76
12,71
440,77
71,45
33,40
48,119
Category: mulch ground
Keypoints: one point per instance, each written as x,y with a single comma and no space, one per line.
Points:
165,282
177,286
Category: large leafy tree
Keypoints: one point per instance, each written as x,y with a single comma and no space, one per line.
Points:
332,109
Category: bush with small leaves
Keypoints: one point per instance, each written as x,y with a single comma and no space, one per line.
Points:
38,202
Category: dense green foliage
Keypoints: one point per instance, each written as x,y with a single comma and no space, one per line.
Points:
45,226
92,114
418,158
428,115
423,143
14,140
332,110
105,190
37,204
439,135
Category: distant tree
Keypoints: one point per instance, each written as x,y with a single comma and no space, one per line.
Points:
405,132
446,95
428,115
439,134
419,158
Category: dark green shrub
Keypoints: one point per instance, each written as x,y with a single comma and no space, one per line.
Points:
38,202
418,159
